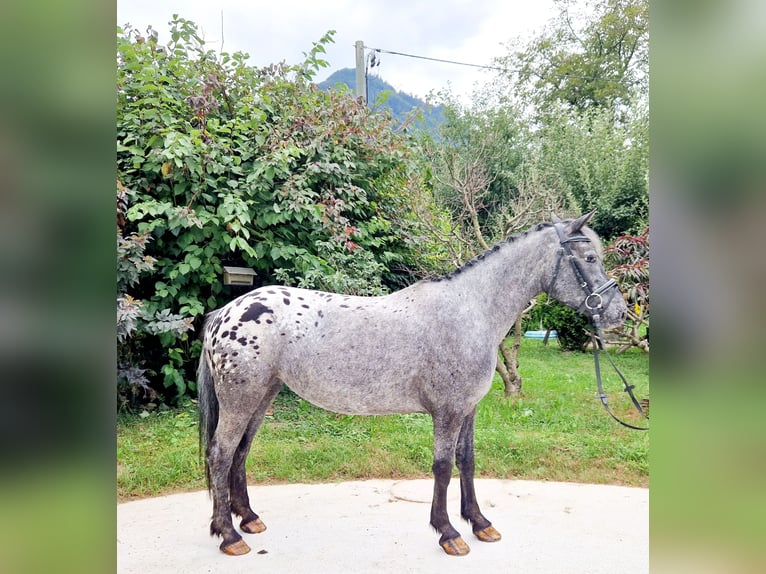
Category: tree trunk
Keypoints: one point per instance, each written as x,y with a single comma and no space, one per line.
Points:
510,362
505,375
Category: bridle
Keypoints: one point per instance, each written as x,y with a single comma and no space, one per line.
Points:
594,300
594,303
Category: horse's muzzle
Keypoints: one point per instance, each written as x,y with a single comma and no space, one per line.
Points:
614,315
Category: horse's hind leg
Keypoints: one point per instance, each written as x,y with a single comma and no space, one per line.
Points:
240,501
469,506
220,452
446,429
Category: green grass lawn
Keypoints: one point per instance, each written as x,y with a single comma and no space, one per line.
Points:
555,430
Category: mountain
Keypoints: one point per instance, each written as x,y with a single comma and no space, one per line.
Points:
381,93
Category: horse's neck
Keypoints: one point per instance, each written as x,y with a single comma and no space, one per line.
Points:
500,285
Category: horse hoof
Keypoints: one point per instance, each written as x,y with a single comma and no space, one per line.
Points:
254,526
237,548
455,547
488,534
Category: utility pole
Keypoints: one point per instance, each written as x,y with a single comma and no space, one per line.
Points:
361,72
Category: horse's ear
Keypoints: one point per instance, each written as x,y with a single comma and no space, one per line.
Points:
577,224
555,218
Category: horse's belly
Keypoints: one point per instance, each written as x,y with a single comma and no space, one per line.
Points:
369,394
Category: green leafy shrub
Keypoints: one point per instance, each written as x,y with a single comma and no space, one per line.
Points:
134,319
228,164
571,327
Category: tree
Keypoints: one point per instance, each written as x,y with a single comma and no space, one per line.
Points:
595,59
582,84
563,128
602,164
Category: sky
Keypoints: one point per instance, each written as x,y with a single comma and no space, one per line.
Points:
470,31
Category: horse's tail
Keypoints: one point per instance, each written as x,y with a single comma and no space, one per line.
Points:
207,401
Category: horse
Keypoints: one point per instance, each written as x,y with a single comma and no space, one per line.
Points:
428,348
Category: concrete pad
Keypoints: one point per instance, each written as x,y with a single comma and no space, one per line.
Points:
382,526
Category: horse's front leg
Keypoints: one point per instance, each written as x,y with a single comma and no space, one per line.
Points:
469,506
446,429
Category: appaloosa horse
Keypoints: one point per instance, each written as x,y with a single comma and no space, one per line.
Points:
429,348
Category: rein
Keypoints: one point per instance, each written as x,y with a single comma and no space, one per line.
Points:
598,341
594,302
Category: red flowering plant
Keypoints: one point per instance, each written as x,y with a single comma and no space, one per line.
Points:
627,261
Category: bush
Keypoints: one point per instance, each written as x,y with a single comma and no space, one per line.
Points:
134,320
227,164
571,327
627,260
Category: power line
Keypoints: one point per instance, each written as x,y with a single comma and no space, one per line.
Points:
496,68
380,50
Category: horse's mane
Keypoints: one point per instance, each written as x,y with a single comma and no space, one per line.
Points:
494,249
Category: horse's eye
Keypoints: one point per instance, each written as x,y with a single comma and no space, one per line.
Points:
590,258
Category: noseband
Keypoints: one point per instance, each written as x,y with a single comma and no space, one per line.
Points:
594,303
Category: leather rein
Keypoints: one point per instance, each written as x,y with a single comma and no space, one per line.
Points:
594,303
